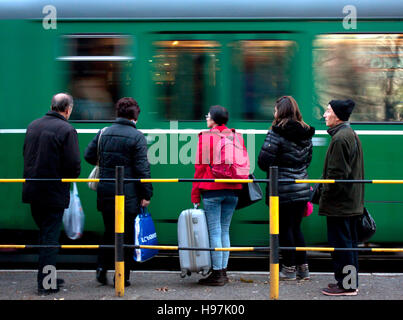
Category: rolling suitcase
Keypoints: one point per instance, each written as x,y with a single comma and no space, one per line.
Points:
193,232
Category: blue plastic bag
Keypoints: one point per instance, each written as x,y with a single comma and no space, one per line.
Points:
144,234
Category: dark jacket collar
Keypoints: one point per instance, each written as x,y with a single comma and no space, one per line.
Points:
125,121
332,131
55,114
294,131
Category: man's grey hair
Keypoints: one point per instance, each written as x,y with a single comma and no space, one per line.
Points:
61,102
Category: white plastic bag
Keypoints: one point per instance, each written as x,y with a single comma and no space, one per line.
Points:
73,217
94,175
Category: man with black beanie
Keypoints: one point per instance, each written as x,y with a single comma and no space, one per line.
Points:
342,203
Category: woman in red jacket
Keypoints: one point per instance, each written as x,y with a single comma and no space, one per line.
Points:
219,199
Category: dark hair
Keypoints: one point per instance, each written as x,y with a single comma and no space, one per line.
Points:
219,114
61,102
127,108
287,109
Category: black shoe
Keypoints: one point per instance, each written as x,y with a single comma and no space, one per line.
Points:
101,276
216,278
336,291
45,292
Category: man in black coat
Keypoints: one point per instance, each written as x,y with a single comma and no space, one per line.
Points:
50,151
342,203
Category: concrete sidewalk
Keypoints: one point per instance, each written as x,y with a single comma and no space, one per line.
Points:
164,285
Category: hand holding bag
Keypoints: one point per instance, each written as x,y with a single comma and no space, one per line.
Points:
144,234
366,227
73,216
249,194
95,172
309,206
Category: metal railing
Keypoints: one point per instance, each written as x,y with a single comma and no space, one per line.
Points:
274,247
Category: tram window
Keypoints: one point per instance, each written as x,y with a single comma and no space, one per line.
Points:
184,74
367,68
97,69
261,73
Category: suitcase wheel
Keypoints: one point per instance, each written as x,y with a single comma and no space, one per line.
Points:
184,273
205,272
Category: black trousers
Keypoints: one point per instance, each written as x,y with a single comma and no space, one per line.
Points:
49,221
106,257
342,233
290,232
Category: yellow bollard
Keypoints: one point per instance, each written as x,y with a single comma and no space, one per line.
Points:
274,234
119,233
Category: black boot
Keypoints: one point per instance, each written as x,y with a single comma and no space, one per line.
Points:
101,275
216,278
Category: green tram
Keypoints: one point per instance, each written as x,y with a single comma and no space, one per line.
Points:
178,58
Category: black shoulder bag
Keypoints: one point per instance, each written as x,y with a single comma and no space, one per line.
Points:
249,194
366,226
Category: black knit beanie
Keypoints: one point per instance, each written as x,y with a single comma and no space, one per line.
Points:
342,108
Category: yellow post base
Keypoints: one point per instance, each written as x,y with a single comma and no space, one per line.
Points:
274,281
119,279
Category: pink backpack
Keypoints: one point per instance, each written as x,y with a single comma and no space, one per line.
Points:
230,157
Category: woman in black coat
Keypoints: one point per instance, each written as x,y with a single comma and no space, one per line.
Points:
120,145
288,145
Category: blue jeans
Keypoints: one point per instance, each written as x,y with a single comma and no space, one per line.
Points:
219,211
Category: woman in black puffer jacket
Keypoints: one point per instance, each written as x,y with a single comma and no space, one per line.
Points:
120,145
288,145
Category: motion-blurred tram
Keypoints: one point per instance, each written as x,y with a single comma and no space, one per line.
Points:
177,58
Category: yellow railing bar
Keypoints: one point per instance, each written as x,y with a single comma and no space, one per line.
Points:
12,246
386,250
388,181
